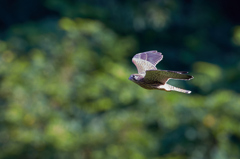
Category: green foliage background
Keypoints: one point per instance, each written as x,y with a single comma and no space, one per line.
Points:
65,91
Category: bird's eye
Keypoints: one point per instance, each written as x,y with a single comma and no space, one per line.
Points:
134,77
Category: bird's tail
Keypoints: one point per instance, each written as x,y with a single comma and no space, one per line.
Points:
168,87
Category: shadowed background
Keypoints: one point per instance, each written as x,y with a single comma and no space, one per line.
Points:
65,93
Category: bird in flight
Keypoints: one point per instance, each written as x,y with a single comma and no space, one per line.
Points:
149,77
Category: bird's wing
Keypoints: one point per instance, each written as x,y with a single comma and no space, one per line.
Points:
143,66
181,72
153,57
163,76
147,61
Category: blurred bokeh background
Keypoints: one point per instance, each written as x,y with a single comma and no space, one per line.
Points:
65,93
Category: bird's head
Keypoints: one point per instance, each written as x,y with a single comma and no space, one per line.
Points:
135,77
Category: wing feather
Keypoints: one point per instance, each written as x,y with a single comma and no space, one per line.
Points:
147,61
163,76
153,57
143,65
181,72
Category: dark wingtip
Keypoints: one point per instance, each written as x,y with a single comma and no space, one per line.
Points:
190,77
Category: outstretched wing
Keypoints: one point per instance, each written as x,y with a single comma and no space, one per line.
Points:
147,61
163,76
180,72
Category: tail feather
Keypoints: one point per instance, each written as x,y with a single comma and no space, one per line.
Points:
168,87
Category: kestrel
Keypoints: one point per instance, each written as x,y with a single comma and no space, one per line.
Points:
149,77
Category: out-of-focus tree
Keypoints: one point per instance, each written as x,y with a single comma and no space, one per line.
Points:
64,90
